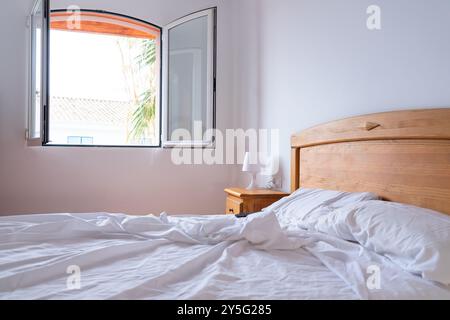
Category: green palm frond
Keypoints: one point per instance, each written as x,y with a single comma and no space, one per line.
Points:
148,55
144,116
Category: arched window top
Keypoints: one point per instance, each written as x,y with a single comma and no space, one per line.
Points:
103,23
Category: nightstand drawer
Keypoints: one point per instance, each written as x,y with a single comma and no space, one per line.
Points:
234,205
250,201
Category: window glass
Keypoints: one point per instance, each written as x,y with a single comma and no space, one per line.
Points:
104,80
188,74
190,77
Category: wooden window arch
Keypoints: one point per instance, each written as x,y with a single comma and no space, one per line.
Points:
103,23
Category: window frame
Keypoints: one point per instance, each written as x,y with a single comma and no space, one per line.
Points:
162,110
44,80
211,14
46,123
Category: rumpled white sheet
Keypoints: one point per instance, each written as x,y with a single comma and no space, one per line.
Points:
214,257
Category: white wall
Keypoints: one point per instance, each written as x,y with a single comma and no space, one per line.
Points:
285,64
315,61
137,181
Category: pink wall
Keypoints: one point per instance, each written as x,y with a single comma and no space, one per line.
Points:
135,181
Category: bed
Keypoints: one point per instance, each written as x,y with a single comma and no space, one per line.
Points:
333,238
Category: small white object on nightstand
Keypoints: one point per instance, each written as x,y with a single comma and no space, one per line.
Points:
251,166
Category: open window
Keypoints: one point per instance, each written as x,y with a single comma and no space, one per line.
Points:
105,79
190,80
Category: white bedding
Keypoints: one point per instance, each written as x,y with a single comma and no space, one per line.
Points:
214,257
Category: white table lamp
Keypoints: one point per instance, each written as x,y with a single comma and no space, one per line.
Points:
252,168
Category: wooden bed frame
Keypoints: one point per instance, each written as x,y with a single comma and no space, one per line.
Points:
403,156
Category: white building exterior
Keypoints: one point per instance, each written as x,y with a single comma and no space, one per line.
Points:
90,121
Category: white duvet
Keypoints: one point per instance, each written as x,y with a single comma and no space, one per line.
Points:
214,257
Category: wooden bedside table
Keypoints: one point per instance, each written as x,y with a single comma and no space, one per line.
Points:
249,201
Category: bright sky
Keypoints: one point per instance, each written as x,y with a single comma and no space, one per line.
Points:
77,71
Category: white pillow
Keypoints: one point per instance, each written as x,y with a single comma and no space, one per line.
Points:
305,206
416,239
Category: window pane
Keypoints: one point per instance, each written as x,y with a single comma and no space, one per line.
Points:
36,71
104,80
87,140
80,140
74,140
188,76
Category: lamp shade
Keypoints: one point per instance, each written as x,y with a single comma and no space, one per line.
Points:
249,163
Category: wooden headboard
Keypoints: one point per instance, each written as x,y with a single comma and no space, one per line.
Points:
403,156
